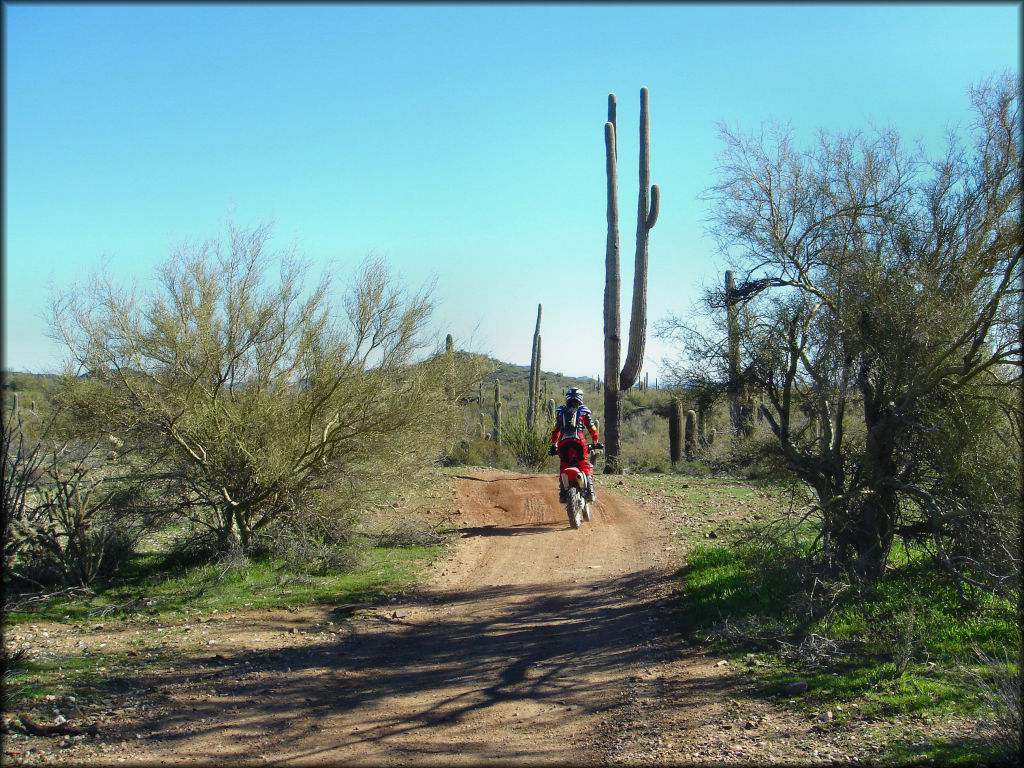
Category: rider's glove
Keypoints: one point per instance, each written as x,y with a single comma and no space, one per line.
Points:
552,451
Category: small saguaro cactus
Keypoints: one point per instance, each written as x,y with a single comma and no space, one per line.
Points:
675,431
551,410
690,434
531,402
497,411
449,376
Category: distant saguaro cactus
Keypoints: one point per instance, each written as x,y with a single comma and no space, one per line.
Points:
617,382
497,411
690,434
551,410
675,431
449,353
531,403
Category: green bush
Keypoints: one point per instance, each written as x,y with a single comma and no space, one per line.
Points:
528,445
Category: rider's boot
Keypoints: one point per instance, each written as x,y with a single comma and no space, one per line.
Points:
590,495
563,495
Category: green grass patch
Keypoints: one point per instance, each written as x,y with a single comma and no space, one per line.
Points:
730,582
901,650
259,584
901,643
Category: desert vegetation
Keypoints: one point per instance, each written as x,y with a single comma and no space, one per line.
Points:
849,389
234,404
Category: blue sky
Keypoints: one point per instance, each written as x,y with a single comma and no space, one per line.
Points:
458,141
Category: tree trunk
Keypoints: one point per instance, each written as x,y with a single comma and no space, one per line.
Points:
865,533
227,536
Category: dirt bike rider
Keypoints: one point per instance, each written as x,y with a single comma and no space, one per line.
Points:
568,442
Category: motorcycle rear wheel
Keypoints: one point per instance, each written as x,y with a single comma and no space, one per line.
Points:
574,507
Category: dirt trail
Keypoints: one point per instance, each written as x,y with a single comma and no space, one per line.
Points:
520,648
533,643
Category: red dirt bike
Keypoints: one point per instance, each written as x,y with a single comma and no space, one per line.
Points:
573,480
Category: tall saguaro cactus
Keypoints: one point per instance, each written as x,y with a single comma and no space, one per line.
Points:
616,381
675,431
534,394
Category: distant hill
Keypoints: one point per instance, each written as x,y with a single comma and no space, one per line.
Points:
515,383
16,381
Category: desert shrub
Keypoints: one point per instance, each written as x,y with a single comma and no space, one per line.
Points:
997,679
755,457
528,445
408,532
255,388
23,459
69,517
645,441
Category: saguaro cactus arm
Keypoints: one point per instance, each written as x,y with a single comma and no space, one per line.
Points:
646,216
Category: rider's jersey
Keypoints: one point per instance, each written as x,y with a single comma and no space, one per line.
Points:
570,421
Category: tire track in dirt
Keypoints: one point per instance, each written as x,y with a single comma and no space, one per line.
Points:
519,649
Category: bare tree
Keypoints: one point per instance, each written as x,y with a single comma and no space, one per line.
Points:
880,317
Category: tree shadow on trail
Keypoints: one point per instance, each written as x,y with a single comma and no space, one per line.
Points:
521,529
552,646
513,479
